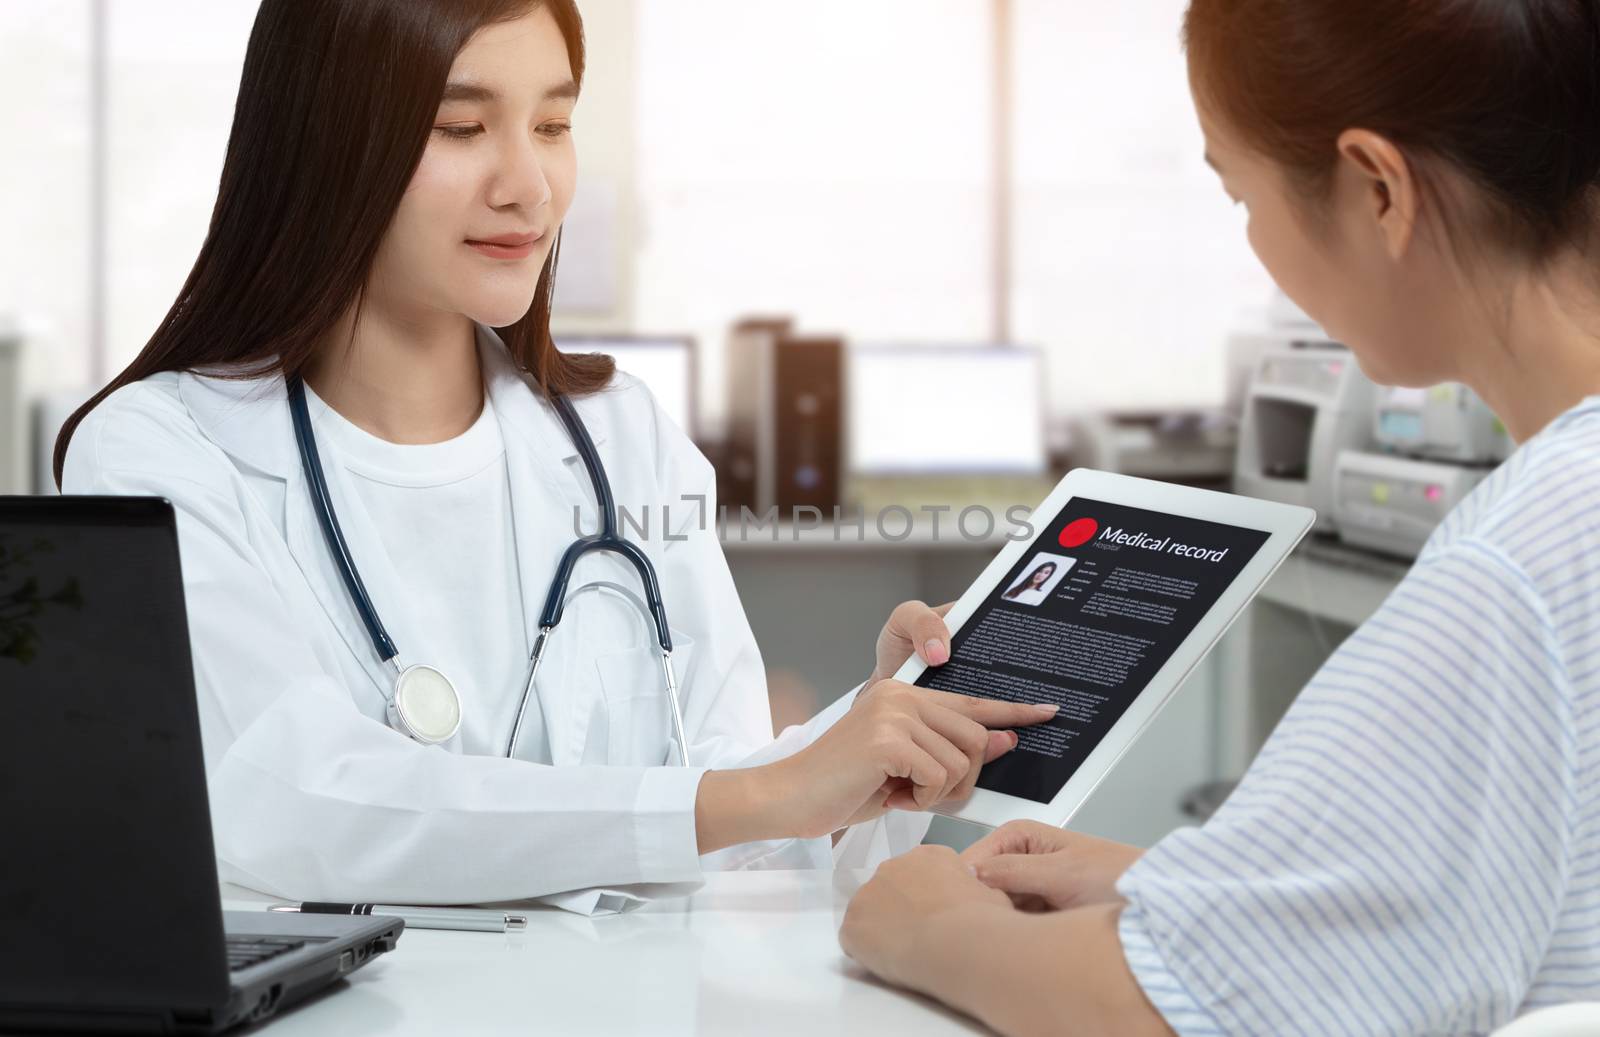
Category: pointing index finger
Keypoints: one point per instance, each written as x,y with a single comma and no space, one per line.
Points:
994,713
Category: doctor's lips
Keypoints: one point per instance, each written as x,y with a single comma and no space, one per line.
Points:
508,246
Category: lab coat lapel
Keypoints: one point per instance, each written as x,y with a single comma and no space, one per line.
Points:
385,585
248,419
540,465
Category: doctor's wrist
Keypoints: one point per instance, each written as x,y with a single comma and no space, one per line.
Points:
739,806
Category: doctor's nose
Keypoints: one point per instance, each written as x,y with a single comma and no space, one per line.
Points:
520,177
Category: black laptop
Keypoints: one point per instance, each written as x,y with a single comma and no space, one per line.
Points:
110,914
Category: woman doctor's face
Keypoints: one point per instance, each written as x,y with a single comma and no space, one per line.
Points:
500,166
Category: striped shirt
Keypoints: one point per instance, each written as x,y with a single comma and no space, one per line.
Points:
1416,849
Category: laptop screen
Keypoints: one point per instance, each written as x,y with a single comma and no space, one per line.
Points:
108,885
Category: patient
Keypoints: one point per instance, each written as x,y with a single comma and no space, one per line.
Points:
1417,847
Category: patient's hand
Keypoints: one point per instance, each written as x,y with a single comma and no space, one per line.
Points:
913,626
890,923
1046,869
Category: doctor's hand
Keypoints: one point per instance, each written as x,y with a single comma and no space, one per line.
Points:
913,627
1044,868
901,747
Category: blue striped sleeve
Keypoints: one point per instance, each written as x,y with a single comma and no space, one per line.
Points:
1395,861
1165,991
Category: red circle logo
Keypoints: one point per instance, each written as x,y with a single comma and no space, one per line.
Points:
1078,532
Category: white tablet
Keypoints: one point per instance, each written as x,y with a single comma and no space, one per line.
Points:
1118,589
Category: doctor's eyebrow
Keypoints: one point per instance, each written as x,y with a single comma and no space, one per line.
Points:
462,90
1211,162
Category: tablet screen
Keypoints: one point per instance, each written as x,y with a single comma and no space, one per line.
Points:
1096,605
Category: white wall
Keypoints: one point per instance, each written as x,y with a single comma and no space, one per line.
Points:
1130,264
830,160
174,73
44,183
173,76
598,240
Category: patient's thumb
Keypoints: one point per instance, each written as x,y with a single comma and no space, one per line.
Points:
1017,872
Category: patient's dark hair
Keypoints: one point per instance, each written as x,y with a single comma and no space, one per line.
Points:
335,105
1507,92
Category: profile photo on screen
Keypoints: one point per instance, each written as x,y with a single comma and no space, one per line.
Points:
1039,577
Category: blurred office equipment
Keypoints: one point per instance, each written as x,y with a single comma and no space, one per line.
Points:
13,429
1255,330
1436,445
1307,400
1195,446
745,466
786,418
1443,423
930,409
665,363
954,425
809,391
1393,504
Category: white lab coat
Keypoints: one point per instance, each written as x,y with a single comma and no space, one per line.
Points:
314,797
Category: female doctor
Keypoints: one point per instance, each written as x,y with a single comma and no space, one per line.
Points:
375,490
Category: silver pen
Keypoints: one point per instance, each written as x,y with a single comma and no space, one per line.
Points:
468,919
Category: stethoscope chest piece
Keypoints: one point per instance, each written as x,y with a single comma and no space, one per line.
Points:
425,705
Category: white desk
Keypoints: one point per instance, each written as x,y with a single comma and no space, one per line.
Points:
752,952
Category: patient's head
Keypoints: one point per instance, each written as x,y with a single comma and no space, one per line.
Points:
1411,167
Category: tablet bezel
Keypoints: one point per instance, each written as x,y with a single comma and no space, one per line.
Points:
1284,524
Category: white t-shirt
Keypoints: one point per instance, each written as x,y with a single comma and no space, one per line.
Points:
443,515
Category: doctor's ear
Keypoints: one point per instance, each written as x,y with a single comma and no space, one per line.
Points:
1385,186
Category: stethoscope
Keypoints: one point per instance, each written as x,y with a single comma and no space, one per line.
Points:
424,704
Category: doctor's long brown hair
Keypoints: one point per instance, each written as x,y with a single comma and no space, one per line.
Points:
335,106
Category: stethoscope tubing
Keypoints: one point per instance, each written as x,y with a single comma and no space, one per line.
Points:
329,521
607,539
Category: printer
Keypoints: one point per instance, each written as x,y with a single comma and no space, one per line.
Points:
1306,401
1443,423
1434,446
1194,446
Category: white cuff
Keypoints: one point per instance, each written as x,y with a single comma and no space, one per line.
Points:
664,825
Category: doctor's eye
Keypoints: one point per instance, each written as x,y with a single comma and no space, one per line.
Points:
459,132
555,129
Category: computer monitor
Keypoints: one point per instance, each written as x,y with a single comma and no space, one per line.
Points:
932,409
664,363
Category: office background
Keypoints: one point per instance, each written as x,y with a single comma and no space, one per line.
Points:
941,174
736,158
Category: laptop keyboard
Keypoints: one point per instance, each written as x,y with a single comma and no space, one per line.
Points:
245,951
